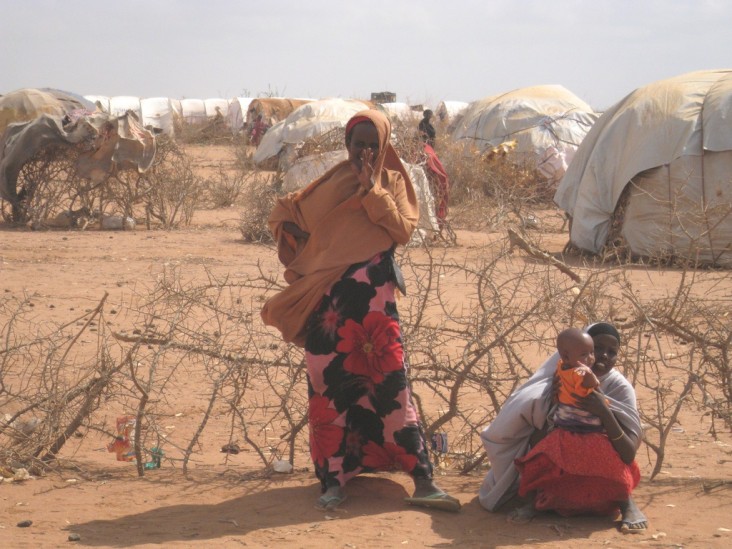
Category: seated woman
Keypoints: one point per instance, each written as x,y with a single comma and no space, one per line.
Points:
555,473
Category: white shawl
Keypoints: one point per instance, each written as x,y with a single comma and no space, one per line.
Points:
507,438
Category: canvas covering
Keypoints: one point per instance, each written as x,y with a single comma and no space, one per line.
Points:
107,143
548,123
672,141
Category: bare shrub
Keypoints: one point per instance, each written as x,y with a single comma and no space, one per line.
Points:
260,196
169,191
493,189
471,328
49,388
227,187
48,185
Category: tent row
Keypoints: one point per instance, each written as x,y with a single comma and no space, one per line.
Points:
162,112
651,173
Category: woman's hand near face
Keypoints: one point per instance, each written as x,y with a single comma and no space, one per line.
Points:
366,173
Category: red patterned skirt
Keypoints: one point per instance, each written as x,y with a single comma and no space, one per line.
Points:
576,473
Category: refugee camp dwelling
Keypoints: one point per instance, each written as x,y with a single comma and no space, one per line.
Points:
271,109
214,103
28,103
236,117
655,173
401,113
193,111
57,122
101,101
158,115
449,113
543,124
120,104
308,121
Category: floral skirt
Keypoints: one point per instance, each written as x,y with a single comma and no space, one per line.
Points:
361,414
577,473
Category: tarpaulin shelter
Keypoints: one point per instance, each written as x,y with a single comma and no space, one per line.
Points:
213,103
237,115
449,113
120,104
547,124
29,103
272,109
100,101
103,144
655,172
305,122
157,112
193,111
400,113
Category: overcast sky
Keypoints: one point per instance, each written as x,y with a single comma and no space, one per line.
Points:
425,51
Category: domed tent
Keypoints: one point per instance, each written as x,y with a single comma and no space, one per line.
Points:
655,172
305,122
547,124
193,111
120,104
29,103
449,113
101,101
212,103
157,112
237,114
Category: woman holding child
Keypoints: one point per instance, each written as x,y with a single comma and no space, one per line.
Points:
570,471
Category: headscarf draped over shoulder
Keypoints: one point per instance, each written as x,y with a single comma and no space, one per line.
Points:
347,225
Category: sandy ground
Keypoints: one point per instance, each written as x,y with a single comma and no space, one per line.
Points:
230,500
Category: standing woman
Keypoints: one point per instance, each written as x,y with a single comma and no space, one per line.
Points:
336,239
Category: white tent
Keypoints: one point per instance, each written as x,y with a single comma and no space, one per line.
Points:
177,108
120,104
193,111
212,103
237,114
308,120
666,149
401,113
158,113
449,111
547,123
103,101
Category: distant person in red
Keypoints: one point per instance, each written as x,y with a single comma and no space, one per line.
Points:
258,130
426,130
439,181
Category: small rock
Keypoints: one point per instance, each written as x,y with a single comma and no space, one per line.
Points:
74,537
24,523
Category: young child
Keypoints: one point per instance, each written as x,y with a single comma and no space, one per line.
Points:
574,370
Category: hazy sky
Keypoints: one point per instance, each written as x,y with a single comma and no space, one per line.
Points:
425,51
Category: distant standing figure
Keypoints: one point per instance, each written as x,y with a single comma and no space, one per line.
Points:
426,129
436,174
258,130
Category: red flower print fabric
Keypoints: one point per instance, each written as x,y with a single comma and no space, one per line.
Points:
362,418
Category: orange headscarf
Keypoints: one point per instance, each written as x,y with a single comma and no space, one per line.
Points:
346,224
